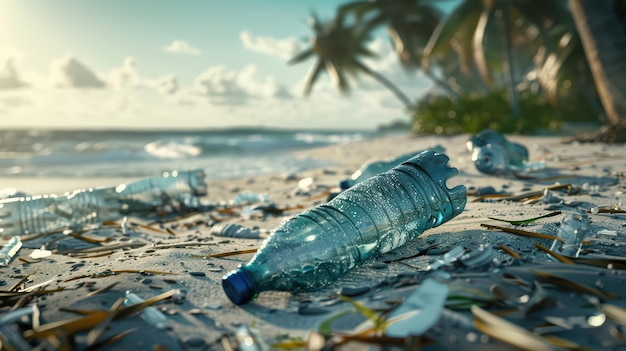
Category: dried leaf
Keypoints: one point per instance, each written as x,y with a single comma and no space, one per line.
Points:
509,251
370,314
554,254
95,333
325,328
507,332
615,313
105,288
526,221
226,254
420,253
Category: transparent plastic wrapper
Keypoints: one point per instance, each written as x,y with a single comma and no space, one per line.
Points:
574,227
380,214
492,153
89,208
370,169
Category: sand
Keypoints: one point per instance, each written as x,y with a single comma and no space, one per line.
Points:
201,317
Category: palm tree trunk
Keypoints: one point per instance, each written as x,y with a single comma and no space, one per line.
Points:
604,42
509,75
387,84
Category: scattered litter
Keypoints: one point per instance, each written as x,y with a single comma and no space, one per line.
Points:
9,250
248,197
607,232
419,311
448,258
40,253
235,231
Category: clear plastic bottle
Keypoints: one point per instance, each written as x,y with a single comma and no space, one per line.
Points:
84,208
573,229
148,193
315,248
492,153
372,168
51,213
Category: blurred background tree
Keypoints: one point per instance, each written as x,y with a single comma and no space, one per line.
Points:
512,65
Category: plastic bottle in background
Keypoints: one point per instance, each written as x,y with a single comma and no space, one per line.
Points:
82,209
50,213
573,229
315,248
492,153
148,193
372,168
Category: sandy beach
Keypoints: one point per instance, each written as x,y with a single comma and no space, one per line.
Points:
168,259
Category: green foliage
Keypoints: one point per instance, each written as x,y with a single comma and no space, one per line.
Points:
470,114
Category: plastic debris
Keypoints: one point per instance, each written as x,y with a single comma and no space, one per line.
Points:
572,231
315,248
149,314
249,339
40,253
89,208
607,232
448,258
9,250
235,231
480,257
492,153
248,197
419,311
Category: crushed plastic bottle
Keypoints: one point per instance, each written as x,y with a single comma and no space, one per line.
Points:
315,248
148,193
492,153
82,209
149,314
9,250
574,227
372,168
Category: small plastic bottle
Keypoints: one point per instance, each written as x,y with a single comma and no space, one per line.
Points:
315,248
573,229
492,153
148,193
372,168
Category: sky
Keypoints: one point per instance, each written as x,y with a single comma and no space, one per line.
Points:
120,64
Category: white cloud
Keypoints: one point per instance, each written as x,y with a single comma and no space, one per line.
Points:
9,75
283,48
125,76
227,87
182,47
167,84
70,72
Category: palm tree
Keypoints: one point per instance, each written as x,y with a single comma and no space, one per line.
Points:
488,35
604,42
339,47
409,23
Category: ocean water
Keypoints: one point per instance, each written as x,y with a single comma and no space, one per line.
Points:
224,153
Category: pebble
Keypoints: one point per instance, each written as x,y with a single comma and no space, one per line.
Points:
353,291
379,265
195,342
198,274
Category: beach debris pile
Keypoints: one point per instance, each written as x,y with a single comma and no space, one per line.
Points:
499,276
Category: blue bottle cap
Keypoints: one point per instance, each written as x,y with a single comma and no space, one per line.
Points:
239,286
